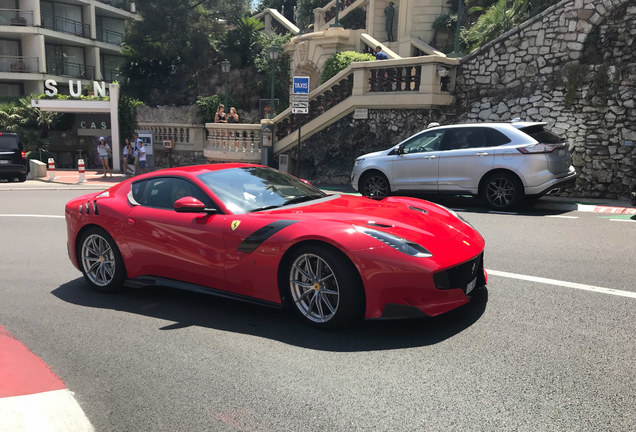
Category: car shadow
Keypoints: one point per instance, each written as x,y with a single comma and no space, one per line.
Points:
186,309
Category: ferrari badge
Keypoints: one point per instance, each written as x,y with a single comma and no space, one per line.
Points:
235,224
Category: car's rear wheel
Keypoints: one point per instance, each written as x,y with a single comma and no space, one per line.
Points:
324,288
502,191
101,261
375,185
22,178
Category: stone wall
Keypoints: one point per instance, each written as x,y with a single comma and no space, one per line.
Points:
572,66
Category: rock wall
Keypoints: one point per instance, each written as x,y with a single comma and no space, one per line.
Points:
573,66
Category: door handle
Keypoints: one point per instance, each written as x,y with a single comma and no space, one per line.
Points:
482,153
430,157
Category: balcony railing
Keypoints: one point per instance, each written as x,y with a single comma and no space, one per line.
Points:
120,4
69,69
233,142
16,17
111,75
19,64
64,25
110,37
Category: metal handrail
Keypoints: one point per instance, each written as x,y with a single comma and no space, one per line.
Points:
16,17
120,4
19,64
110,37
64,25
71,69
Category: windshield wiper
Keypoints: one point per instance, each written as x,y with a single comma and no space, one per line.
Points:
264,208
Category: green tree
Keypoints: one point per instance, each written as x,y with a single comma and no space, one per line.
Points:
340,61
498,19
244,39
280,68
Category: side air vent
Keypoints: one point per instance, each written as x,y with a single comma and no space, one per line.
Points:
380,225
95,208
418,209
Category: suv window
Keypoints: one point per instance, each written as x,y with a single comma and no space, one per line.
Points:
425,142
466,137
164,191
542,135
9,143
495,138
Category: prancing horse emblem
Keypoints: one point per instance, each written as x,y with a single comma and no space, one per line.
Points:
235,224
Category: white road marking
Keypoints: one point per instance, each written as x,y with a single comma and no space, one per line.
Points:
32,215
622,220
563,283
563,217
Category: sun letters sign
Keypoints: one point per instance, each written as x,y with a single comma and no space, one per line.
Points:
74,88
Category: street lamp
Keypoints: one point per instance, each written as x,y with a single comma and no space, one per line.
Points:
273,52
225,68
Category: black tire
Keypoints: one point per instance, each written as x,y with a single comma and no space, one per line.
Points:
502,191
100,260
374,184
323,287
22,178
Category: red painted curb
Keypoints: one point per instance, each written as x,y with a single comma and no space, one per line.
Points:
21,371
615,210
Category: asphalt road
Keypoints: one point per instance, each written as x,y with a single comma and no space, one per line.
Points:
529,356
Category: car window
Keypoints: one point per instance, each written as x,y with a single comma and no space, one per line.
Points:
542,135
162,192
425,142
9,143
495,138
466,137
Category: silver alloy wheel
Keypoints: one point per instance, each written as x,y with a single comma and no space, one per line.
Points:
98,260
500,191
376,185
314,288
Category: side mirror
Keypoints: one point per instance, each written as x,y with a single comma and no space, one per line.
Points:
191,205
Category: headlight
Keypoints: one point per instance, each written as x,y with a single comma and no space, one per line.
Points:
359,161
397,243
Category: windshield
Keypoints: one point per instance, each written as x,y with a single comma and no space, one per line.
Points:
8,143
542,135
249,189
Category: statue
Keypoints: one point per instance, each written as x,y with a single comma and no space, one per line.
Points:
389,12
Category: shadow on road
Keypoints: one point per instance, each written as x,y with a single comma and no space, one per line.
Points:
187,309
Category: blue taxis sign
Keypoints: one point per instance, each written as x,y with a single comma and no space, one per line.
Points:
300,85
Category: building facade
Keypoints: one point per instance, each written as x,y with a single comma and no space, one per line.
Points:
60,40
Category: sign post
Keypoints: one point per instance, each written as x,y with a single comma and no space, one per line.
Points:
300,104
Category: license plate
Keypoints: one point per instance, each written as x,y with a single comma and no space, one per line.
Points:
471,286
4,161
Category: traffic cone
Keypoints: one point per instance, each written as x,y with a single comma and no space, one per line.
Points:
82,171
51,169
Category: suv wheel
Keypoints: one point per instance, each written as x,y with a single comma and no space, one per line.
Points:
502,191
375,185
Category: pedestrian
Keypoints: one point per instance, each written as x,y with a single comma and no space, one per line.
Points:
129,155
232,116
139,144
379,54
141,155
220,116
104,152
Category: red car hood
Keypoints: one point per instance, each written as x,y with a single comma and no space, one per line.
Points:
409,218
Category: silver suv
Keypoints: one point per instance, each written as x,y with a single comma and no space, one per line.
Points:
501,162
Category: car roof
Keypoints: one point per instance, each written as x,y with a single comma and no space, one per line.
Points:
515,124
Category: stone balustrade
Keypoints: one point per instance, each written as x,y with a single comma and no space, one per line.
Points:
233,142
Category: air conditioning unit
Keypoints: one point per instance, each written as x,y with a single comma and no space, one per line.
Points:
283,163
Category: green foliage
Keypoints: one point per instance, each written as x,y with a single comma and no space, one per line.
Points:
445,22
498,19
127,114
355,20
279,67
244,39
340,61
32,124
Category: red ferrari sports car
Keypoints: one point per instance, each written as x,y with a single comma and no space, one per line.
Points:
254,233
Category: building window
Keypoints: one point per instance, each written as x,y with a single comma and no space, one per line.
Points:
111,66
11,89
64,18
64,60
110,30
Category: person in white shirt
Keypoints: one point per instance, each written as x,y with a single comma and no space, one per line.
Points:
140,152
104,152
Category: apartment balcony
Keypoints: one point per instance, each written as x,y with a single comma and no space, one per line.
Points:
16,17
69,69
110,37
19,64
119,4
64,25
111,75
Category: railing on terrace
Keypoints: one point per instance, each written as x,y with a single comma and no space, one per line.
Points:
16,17
415,82
19,64
76,70
233,142
64,25
111,75
325,15
110,37
120,4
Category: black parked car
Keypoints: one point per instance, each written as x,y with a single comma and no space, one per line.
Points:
13,162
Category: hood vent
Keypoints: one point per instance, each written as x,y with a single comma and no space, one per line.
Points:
379,225
419,209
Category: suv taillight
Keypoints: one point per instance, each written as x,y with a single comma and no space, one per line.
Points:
538,148
23,155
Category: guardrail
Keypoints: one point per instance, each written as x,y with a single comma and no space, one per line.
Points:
233,142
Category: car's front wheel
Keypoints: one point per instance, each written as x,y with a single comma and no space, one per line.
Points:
323,287
101,261
502,191
375,185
